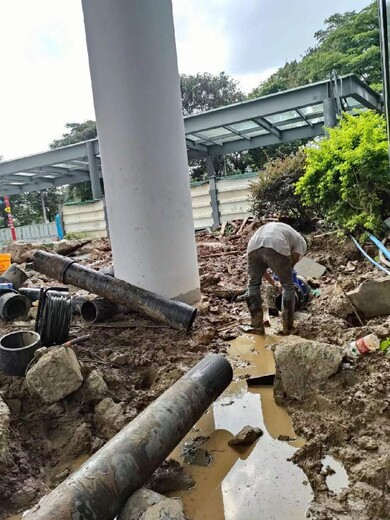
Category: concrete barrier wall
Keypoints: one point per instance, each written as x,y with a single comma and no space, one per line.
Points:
233,201
84,217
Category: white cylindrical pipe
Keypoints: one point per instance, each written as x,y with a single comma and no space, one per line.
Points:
135,82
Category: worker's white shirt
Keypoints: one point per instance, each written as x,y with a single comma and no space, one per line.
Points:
280,237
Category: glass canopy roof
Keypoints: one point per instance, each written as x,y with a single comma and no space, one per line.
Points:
281,117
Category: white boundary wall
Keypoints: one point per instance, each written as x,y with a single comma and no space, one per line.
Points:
233,201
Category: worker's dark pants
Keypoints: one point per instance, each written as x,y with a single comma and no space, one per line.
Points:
259,261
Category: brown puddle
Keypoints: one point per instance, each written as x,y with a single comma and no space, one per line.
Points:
258,481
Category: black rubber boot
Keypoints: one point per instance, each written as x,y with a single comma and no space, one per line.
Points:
288,307
256,311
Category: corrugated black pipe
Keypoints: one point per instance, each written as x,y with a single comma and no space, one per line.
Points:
98,490
174,313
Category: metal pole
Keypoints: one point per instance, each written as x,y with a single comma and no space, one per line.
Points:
10,217
98,490
93,171
43,207
213,191
330,113
174,313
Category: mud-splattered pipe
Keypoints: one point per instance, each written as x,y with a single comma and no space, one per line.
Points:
174,313
98,490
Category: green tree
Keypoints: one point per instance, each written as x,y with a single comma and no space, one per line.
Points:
274,193
206,91
347,175
27,207
77,132
349,43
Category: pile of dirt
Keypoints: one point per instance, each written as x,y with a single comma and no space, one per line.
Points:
133,363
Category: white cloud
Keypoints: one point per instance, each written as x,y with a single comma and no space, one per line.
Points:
45,75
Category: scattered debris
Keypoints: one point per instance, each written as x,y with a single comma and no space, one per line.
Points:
138,503
362,346
302,366
55,375
286,438
95,388
247,436
195,455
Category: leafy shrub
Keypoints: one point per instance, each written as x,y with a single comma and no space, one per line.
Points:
274,195
347,175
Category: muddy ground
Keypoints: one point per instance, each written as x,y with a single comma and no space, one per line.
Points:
350,419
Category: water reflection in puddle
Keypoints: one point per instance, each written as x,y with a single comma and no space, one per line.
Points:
256,482
339,480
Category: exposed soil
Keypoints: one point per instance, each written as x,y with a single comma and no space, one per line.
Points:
350,420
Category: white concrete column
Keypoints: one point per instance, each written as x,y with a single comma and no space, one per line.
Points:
135,82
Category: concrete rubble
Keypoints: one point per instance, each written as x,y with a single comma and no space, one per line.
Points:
372,297
247,436
302,366
145,504
55,375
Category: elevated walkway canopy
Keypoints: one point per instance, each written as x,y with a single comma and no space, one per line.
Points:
278,118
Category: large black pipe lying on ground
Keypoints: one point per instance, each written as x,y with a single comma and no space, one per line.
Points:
99,489
174,313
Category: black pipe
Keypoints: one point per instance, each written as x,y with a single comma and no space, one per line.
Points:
13,305
33,294
17,350
174,313
99,309
99,489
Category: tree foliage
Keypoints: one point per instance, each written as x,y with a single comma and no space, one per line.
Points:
206,91
274,194
347,175
349,43
77,132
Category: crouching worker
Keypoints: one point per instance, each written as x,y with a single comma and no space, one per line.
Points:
279,247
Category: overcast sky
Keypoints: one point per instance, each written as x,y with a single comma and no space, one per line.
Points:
44,66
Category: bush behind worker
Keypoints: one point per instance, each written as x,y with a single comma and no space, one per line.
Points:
279,247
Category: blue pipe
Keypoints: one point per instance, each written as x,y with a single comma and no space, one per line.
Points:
379,244
60,231
369,257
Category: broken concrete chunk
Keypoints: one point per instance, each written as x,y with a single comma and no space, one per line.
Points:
56,375
109,417
168,509
248,435
4,431
138,503
372,297
309,268
95,386
302,365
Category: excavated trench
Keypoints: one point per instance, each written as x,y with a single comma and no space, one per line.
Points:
257,481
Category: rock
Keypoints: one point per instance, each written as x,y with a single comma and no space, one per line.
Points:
65,247
367,443
248,435
286,438
138,503
80,443
14,405
95,387
302,365
21,253
97,444
167,509
372,297
204,337
308,268
4,431
228,293
119,359
55,375
109,417
170,476
26,495
338,303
